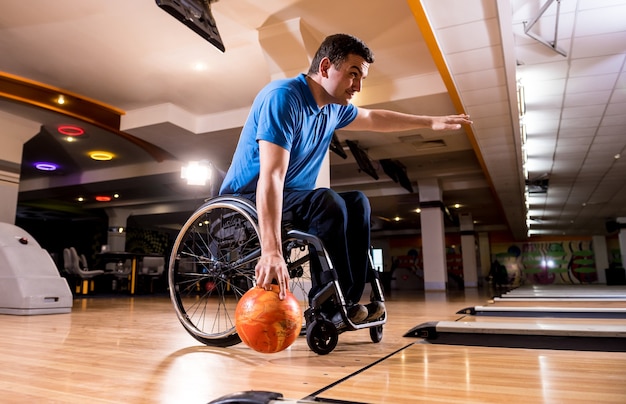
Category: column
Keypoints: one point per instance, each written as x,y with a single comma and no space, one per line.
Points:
468,250
433,235
14,132
484,255
601,256
622,238
116,235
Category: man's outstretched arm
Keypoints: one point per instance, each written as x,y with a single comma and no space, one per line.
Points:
381,120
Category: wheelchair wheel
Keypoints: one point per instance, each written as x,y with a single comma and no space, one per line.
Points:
376,333
322,336
212,266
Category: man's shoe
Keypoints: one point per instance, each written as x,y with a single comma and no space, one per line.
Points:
356,314
375,310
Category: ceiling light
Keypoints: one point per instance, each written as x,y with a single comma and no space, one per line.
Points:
196,172
101,155
80,199
200,66
397,218
103,198
457,205
60,100
521,99
70,130
45,166
617,156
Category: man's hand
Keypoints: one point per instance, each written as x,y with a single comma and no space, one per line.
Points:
450,122
270,267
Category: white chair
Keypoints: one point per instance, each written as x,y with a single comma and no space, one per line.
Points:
84,277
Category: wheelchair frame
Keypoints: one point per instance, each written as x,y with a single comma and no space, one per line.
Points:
212,266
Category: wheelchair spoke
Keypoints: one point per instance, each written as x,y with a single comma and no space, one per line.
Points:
214,258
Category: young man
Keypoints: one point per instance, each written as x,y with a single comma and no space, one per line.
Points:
280,153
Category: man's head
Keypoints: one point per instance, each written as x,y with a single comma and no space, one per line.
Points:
339,66
337,48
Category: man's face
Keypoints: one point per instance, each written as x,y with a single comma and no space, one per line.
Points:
341,83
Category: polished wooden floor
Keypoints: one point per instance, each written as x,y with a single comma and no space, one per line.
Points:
133,350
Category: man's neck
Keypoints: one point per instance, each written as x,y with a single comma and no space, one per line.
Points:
319,93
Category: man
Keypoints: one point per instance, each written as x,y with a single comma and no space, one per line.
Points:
280,153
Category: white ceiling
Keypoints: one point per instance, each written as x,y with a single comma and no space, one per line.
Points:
432,57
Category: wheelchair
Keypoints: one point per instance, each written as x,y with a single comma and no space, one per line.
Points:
212,265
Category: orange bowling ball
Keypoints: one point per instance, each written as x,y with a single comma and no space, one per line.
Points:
265,323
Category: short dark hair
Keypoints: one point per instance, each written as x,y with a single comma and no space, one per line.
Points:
337,47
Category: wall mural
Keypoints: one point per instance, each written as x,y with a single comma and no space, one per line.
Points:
512,263
145,241
564,262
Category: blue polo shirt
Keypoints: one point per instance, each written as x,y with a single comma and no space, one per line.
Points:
286,114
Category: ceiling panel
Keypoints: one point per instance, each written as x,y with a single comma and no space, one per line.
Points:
575,103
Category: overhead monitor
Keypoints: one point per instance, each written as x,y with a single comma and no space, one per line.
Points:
335,146
195,14
362,159
397,172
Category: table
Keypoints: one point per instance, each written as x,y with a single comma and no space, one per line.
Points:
109,256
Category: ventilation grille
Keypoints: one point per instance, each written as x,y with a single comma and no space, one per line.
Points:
420,143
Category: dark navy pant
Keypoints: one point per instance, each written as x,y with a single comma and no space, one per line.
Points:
342,222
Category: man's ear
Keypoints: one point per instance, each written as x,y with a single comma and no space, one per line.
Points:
325,64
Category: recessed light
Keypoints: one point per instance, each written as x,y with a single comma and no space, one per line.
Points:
101,155
200,66
45,166
70,130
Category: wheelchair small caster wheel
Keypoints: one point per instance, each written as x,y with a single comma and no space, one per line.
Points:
322,336
376,333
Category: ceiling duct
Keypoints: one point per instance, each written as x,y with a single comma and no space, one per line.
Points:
420,143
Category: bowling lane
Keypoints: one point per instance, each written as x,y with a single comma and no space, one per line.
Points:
567,292
595,301
423,372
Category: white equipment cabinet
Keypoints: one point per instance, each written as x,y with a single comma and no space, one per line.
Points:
29,280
